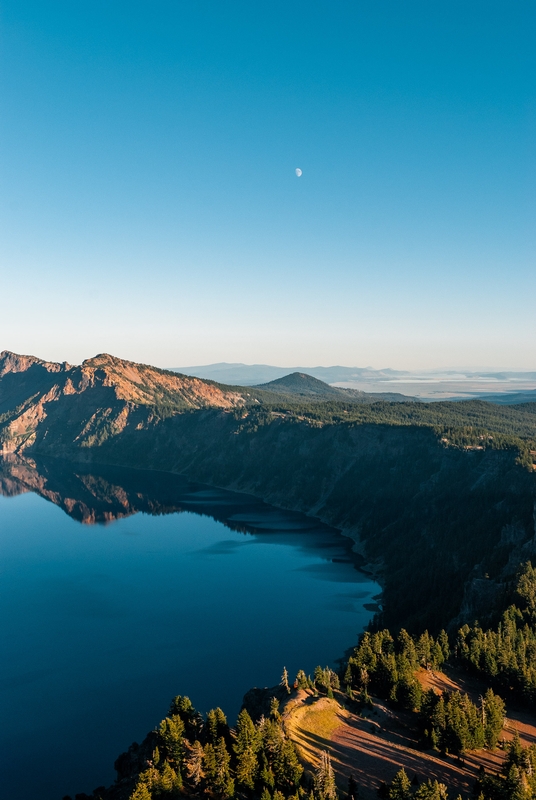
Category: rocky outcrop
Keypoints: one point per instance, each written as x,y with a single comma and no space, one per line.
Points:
82,406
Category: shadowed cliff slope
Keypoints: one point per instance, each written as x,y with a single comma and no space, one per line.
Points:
438,497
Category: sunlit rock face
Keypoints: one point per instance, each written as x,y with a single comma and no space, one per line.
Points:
84,405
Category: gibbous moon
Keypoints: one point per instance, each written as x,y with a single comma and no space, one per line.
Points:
299,172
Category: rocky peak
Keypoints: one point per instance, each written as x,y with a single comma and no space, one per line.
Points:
13,362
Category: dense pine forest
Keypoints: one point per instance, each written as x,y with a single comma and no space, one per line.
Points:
506,655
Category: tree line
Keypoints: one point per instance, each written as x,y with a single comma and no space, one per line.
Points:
515,781
506,655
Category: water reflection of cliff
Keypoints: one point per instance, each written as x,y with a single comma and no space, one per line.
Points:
100,494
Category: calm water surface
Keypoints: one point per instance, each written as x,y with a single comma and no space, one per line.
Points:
185,589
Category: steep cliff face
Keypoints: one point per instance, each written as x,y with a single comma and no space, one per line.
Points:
427,517
430,518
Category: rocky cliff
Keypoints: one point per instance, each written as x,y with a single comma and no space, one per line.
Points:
66,407
436,522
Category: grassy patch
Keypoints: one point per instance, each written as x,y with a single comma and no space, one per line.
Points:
322,719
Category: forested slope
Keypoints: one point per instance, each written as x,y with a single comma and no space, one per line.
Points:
439,497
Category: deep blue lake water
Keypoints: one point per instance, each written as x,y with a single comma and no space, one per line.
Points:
183,590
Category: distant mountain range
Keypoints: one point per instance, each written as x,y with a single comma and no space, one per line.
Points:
502,387
255,374
104,396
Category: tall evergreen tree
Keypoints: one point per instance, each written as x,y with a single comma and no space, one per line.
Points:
171,734
400,787
141,792
287,768
284,680
194,763
216,726
324,780
246,747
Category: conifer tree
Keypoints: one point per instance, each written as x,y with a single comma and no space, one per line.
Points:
266,773
284,680
171,735
274,708
324,781
431,790
216,725
302,680
287,768
193,721
222,782
246,747
170,782
443,640
494,710
141,792
209,764
194,763
400,787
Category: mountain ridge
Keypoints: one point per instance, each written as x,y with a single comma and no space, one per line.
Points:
302,384
436,482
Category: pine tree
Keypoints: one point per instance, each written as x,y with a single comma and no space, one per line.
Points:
170,781
274,708
194,764
287,768
209,764
400,787
246,747
216,725
247,736
272,738
141,792
494,710
443,640
266,773
284,680
301,680
171,735
222,781
193,721
431,790
324,781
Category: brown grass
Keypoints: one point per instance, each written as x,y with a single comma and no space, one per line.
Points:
374,746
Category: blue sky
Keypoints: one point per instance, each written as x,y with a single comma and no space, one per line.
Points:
150,206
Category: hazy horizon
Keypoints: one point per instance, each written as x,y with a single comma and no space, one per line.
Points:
383,368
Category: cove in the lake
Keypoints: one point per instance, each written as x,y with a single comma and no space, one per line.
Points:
169,588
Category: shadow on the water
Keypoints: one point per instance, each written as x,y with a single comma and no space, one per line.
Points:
100,494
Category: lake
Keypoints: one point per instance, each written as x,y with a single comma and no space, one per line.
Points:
122,588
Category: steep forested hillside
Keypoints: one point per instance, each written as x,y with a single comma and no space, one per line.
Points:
439,497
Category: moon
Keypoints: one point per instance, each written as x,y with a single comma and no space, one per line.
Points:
299,173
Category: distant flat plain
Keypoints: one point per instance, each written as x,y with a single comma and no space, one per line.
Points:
501,386
453,387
